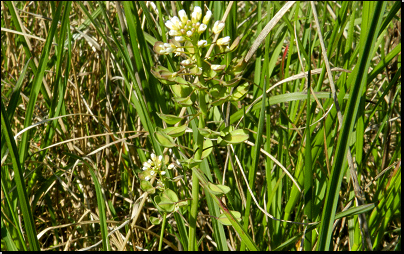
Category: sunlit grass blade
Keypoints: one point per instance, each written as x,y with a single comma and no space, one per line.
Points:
358,83
19,180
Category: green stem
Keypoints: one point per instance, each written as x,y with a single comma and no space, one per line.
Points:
195,181
162,231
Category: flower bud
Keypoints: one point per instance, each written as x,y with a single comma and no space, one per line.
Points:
176,23
189,33
202,43
217,67
183,16
179,38
170,25
186,62
218,27
169,48
202,28
196,14
223,41
159,48
207,17
174,33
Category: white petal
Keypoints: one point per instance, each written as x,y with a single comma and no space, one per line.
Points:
207,17
183,16
223,41
218,27
202,28
179,38
202,43
169,24
196,14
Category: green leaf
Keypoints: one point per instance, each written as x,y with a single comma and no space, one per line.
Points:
225,221
166,201
190,163
185,102
240,92
207,148
208,133
147,186
155,220
236,136
169,119
218,189
164,139
176,131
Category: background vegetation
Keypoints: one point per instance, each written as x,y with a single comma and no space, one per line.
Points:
79,109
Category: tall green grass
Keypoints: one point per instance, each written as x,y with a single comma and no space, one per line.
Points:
321,169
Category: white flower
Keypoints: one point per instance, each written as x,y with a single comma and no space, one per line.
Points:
217,67
202,43
179,38
174,33
153,156
169,48
183,16
202,28
171,166
185,62
196,14
146,164
176,22
223,41
152,172
160,49
147,178
189,33
170,25
218,27
162,173
207,17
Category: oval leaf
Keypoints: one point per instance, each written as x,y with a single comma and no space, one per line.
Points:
164,139
225,221
169,119
240,92
175,131
208,133
236,136
218,189
170,196
207,148
164,205
155,220
146,186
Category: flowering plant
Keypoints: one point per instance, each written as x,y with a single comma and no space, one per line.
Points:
202,82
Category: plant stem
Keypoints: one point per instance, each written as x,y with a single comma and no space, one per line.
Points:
195,181
162,230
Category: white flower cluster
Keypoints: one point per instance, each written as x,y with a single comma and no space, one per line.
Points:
184,29
153,166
